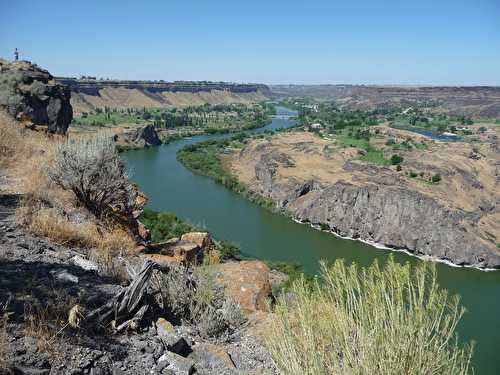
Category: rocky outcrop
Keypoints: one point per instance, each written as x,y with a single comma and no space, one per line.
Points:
142,137
187,249
29,93
248,282
395,217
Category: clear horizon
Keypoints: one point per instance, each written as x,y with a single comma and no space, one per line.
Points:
426,43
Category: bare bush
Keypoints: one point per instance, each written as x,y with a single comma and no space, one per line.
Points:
369,321
232,313
93,171
194,298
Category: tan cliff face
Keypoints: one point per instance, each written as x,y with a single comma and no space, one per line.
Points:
314,179
88,95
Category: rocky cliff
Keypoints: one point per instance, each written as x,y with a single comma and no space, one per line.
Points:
381,205
141,137
29,93
88,94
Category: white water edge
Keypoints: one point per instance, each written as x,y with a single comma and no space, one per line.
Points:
383,247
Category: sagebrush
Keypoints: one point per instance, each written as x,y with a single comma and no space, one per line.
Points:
93,171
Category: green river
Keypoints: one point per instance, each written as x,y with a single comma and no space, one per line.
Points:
266,235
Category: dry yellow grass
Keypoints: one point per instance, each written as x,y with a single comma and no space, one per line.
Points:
46,209
4,344
45,323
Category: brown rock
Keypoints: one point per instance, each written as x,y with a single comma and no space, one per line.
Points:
162,260
202,239
144,232
186,252
247,282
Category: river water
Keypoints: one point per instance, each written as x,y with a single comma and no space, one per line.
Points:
265,235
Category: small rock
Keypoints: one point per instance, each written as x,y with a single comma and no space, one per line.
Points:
209,356
86,264
65,276
172,341
176,363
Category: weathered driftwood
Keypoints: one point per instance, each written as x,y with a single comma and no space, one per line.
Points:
126,309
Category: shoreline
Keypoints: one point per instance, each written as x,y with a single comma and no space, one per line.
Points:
380,246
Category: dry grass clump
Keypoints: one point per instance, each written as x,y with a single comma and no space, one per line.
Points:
112,244
369,321
4,344
10,139
46,321
49,223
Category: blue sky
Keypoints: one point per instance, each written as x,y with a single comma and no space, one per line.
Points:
439,42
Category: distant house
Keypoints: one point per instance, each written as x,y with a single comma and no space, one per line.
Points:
407,110
315,127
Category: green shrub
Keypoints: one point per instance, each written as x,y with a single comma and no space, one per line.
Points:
436,178
324,226
164,225
396,159
229,250
376,321
413,174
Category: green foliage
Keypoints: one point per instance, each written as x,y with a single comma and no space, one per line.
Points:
396,159
436,178
324,226
413,174
164,225
394,320
375,157
203,158
229,250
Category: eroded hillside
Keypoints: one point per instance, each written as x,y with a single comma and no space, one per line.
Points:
88,95
441,199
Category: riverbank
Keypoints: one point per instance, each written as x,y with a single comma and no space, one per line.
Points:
288,170
265,235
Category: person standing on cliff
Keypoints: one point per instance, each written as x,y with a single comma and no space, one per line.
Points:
16,55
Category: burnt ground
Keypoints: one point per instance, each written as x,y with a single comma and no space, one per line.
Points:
39,285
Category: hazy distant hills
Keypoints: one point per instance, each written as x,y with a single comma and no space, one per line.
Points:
480,101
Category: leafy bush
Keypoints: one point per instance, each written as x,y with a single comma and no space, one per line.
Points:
229,250
436,178
394,320
93,171
164,225
396,159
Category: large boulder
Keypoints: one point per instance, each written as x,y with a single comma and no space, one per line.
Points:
247,282
142,137
30,94
202,239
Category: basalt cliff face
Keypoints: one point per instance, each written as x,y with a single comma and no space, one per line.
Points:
376,203
88,94
30,94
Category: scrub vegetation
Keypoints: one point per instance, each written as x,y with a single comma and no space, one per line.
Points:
204,158
391,320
